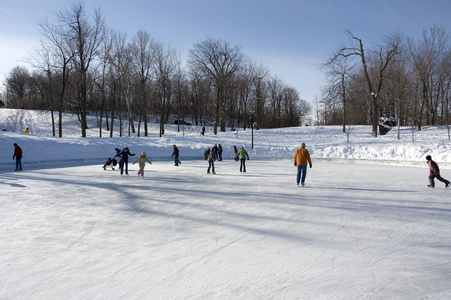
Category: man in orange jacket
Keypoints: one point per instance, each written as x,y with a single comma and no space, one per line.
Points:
301,157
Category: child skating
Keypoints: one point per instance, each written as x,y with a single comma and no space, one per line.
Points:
434,172
141,160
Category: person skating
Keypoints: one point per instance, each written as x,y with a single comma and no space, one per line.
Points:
175,154
124,154
18,156
211,162
434,172
141,160
110,163
301,157
219,152
242,154
236,153
214,151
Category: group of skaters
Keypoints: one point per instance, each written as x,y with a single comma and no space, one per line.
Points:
215,153
301,160
123,156
211,155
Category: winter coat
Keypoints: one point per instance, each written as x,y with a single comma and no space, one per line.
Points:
301,157
210,157
124,155
242,154
141,160
433,168
17,152
175,152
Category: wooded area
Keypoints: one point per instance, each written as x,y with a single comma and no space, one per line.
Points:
404,80
83,67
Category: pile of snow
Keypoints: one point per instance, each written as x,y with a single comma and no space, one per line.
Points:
323,142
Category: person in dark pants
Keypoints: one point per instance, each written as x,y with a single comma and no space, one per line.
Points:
242,154
124,154
219,152
211,163
301,157
434,172
175,154
18,156
214,150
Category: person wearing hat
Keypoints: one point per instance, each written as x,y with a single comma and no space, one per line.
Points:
175,154
124,154
434,172
141,160
18,156
301,157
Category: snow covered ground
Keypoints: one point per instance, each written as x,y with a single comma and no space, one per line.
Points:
364,227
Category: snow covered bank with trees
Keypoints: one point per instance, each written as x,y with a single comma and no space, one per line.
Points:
324,142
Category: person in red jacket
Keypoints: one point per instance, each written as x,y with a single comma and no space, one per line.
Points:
301,158
18,156
434,172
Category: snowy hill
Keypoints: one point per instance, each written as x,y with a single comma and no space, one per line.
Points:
324,142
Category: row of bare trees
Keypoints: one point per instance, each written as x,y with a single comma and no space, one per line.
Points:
82,67
405,79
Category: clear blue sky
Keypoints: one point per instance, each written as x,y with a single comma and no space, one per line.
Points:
291,37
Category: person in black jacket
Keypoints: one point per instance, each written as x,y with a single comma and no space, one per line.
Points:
175,154
124,154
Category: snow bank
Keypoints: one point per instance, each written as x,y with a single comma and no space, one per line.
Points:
324,142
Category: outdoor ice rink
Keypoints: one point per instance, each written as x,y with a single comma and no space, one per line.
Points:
356,231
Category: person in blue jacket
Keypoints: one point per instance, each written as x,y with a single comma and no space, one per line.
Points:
124,154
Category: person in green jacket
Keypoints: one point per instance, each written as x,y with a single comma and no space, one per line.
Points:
242,154
141,160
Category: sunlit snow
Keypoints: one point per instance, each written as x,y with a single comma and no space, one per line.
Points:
365,226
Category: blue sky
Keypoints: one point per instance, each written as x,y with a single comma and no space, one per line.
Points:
290,37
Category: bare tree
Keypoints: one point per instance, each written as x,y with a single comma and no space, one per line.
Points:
164,65
244,81
383,59
219,61
87,37
427,56
275,90
54,58
120,60
142,47
259,73
338,74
